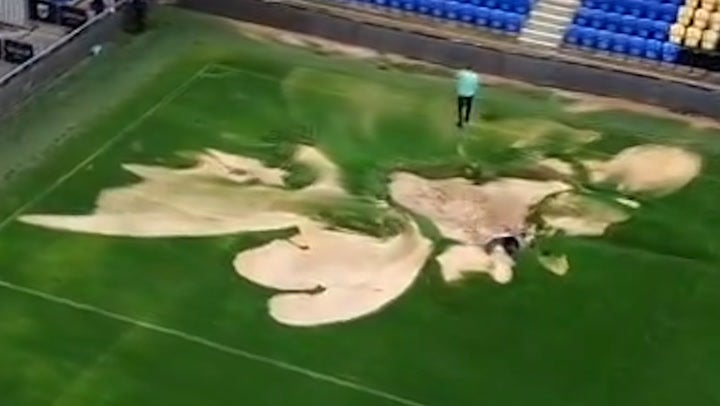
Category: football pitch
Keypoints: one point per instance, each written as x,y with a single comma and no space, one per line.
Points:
126,251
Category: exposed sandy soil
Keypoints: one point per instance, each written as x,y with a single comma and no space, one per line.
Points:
524,133
580,215
557,264
558,167
655,169
224,194
460,260
322,286
583,103
472,215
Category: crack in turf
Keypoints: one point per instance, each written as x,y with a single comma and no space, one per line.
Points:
234,351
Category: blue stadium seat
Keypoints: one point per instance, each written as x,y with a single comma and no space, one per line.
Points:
381,3
410,5
572,35
653,49
514,22
482,17
468,13
424,7
660,30
613,22
505,5
522,7
620,43
396,4
670,52
582,18
628,25
652,10
619,6
491,4
498,19
604,40
437,8
597,19
452,10
604,5
588,37
668,13
636,47
636,8
645,27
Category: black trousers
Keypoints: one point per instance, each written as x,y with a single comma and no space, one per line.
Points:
464,105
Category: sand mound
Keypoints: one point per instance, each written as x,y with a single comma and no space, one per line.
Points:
322,286
580,215
222,194
557,264
655,169
267,34
527,133
583,103
459,260
556,167
471,213
225,194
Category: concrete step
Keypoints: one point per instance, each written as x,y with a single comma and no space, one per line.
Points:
573,4
538,43
561,11
549,18
542,36
543,26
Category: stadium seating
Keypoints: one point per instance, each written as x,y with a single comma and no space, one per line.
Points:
502,16
659,30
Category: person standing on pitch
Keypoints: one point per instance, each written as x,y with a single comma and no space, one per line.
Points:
468,83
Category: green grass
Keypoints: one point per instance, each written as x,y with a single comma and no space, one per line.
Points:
633,323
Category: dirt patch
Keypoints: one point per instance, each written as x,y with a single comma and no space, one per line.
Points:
267,34
556,167
583,103
529,133
470,213
225,193
655,169
580,215
557,264
460,260
321,285
473,215
222,194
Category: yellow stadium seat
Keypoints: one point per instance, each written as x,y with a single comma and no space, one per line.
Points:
693,35
692,3
715,21
710,40
685,15
677,33
709,5
701,18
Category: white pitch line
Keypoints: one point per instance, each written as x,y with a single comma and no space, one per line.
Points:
169,97
318,376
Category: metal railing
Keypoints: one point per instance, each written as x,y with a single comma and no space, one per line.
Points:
40,56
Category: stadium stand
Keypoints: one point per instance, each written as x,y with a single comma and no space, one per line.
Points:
500,16
671,31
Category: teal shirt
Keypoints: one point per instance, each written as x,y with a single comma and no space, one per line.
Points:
468,83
